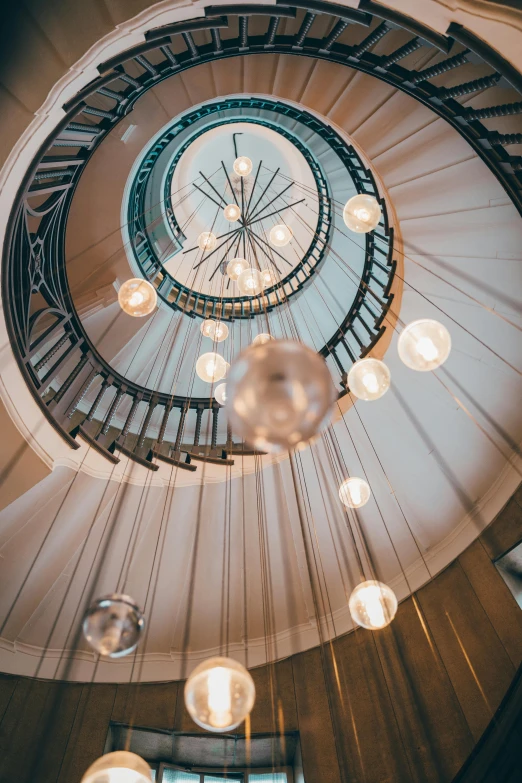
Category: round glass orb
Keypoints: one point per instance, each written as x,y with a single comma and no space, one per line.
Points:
119,767
242,166
369,379
235,267
211,367
220,332
280,235
219,694
113,625
250,282
362,213
424,345
372,605
232,213
261,339
279,394
220,393
354,492
269,277
137,297
207,328
207,241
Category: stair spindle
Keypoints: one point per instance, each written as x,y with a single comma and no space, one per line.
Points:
66,385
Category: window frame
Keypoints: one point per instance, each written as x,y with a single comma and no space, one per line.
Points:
240,774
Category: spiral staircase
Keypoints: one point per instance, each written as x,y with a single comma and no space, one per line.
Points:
422,109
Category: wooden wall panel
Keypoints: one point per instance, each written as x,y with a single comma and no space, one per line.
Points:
151,705
496,599
475,658
89,731
432,727
371,745
320,761
506,530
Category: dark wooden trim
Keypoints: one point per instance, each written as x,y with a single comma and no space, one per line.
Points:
177,463
416,28
140,460
192,25
95,445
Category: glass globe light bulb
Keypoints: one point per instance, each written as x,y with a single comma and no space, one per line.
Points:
362,213
280,235
207,241
113,625
279,394
373,605
232,213
242,166
207,328
137,297
220,393
235,267
219,694
119,767
424,345
354,492
250,282
211,367
262,338
369,379
220,332
269,277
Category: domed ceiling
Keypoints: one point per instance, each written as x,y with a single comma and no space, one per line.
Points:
223,544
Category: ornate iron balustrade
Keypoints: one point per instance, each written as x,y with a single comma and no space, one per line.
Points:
207,306
39,311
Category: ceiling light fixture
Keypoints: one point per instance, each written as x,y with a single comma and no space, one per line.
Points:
118,767
354,492
369,379
250,282
242,166
219,694
424,345
280,235
232,213
113,625
235,267
211,367
207,241
362,213
372,605
137,297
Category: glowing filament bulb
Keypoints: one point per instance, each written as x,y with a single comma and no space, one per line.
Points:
136,299
219,697
371,596
355,494
362,214
373,605
370,382
427,349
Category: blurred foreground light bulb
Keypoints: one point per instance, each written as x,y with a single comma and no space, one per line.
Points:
262,338
279,394
207,241
119,767
207,328
232,213
211,367
369,379
242,166
137,297
113,625
250,282
220,332
424,345
280,235
269,277
219,694
362,213
220,393
373,605
354,492
235,267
